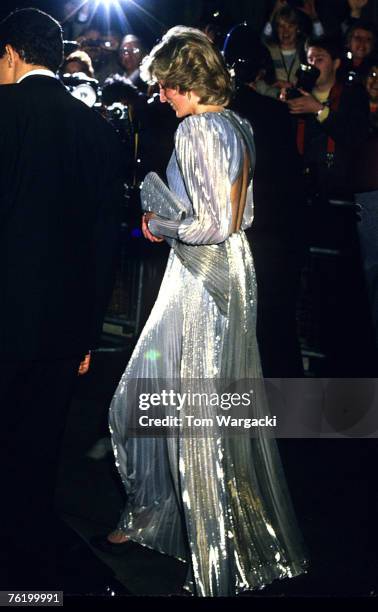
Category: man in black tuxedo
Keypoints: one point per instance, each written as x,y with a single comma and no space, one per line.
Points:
60,192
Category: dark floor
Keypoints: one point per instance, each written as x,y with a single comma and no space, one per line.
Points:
332,482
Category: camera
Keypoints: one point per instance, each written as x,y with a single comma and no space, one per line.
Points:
306,78
118,115
82,87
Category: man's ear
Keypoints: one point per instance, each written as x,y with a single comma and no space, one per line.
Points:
12,55
337,63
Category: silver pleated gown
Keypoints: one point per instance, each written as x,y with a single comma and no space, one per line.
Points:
221,503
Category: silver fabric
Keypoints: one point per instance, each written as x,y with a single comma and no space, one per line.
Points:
156,197
220,503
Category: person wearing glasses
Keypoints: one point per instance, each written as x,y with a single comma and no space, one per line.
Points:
130,55
360,45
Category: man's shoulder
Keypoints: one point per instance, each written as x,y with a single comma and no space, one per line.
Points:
8,92
99,124
10,104
82,114
94,127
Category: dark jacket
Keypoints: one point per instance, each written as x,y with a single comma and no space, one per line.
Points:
60,193
348,126
277,182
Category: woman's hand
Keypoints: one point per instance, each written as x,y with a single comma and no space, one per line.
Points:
282,94
356,7
310,9
283,84
146,232
279,4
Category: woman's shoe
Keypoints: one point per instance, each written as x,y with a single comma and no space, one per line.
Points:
112,547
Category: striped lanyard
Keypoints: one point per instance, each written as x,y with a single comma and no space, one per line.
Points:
288,70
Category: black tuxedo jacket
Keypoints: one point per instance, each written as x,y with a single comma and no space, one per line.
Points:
60,194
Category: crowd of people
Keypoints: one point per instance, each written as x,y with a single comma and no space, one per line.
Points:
114,57
315,80
223,313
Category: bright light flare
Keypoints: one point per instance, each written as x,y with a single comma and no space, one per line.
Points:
108,4
119,6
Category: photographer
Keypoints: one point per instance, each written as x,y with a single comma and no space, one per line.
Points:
332,126
102,48
332,121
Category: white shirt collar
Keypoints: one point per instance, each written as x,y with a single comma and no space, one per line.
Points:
41,71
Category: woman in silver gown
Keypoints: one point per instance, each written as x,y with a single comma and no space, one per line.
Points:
218,502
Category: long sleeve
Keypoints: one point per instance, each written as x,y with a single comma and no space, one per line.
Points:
208,158
317,28
164,227
156,197
203,156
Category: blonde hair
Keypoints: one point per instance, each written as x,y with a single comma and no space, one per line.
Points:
187,60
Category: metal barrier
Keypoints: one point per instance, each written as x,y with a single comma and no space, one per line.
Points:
138,277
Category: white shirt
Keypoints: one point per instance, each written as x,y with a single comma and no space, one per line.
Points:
40,71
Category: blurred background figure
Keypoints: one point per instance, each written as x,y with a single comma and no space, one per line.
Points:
367,196
74,18
372,90
286,50
131,52
356,10
77,74
90,41
278,232
307,15
332,128
360,44
125,104
78,61
330,111
117,88
102,47
215,24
